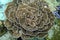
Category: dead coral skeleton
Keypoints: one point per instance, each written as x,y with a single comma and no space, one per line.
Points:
29,20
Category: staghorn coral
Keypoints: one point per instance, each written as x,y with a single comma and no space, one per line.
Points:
29,20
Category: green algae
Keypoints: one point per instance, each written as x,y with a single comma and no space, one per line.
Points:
55,36
56,31
58,22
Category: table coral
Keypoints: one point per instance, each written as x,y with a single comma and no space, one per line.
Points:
29,20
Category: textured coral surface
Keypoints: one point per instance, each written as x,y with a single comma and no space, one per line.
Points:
29,19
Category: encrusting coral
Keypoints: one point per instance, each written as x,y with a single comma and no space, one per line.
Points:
29,20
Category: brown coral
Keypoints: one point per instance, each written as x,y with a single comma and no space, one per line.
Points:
33,19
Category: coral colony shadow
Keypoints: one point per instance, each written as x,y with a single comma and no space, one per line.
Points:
19,38
28,19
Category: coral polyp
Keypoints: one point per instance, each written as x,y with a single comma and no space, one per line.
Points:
29,20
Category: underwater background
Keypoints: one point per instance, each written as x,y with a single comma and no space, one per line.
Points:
54,32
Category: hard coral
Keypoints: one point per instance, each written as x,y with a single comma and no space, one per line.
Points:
33,19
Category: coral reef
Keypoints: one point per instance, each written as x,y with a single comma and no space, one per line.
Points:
28,20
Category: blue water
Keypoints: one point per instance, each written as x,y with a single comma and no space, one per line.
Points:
3,5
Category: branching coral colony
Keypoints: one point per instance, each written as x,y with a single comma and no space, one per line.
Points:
26,20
